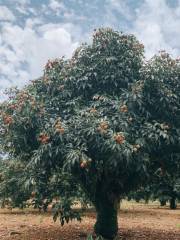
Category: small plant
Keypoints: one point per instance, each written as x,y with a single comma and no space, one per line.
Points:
90,237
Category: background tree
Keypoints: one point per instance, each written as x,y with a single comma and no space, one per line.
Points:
142,193
97,118
165,182
162,100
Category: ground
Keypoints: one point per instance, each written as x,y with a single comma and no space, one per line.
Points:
136,222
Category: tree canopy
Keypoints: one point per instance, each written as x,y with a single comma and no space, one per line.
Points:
106,119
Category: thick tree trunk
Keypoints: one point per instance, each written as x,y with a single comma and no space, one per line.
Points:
173,203
107,216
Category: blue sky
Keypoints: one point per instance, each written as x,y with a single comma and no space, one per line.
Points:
32,31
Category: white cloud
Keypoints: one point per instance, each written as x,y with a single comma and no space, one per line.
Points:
6,14
56,6
23,7
23,2
157,26
122,7
25,51
27,45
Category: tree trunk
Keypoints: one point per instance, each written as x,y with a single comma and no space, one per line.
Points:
173,203
107,216
163,203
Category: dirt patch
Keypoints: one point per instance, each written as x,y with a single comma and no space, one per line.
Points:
136,221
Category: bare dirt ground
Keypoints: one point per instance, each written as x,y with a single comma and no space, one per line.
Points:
136,222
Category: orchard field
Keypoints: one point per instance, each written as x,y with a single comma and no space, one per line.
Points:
136,221
97,128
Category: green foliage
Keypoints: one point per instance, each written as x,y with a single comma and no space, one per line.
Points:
90,237
12,191
65,213
105,119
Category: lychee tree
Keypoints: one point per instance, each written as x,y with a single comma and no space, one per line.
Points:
166,187
162,103
93,117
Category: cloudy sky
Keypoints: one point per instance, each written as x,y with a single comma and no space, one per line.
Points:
33,31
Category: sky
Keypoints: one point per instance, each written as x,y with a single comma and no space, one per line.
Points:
33,31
